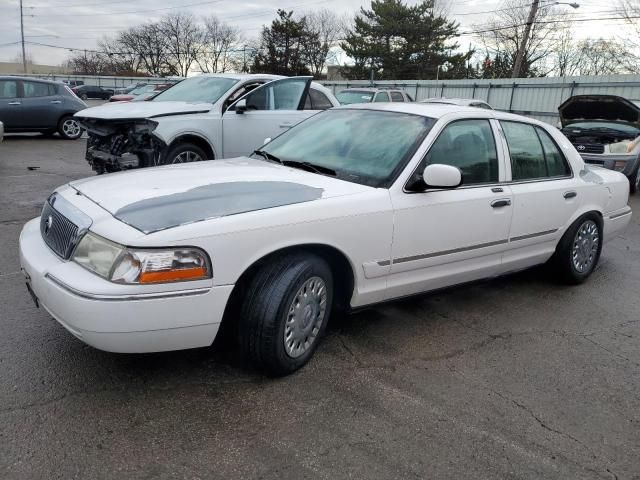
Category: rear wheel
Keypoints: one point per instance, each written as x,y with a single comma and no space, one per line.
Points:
184,153
579,249
285,312
69,128
84,96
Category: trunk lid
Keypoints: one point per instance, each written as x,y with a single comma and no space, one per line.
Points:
158,198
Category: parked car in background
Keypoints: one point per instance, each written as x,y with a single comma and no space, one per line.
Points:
464,102
366,95
354,206
1,131
605,129
141,93
32,105
92,91
128,88
73,83
201,118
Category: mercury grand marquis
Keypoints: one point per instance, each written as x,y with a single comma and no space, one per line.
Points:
354,206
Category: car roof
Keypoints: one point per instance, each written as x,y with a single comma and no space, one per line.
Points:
438,110
31,79
240,76
370,89
453,101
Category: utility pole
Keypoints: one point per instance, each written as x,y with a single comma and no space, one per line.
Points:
525,39
24,56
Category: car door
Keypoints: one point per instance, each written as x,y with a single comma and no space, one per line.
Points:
10,104
40,105
544,191
443,237
270,110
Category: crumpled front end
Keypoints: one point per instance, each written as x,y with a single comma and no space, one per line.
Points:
116,145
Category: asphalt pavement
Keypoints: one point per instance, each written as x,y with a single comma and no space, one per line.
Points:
517,377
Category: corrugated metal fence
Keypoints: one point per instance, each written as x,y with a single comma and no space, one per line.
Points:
534,97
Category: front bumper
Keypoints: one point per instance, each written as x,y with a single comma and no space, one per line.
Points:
107,316
608,161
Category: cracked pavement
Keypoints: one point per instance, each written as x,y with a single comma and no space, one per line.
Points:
512,378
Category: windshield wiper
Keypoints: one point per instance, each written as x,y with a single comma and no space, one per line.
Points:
268,156
310,167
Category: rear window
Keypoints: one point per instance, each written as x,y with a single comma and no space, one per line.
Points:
397,97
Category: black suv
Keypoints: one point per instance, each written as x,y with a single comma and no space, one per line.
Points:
92,91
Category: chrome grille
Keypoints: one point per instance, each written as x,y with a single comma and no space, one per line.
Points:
58,231
589,148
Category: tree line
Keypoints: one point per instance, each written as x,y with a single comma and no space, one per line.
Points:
391,40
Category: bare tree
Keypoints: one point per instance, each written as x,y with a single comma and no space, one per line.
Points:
149,44
328,28
502,36
630,10
183,38
566,57
220,44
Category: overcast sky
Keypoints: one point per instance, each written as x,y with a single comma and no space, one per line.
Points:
79,24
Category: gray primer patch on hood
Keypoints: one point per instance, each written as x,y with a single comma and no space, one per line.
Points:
211,201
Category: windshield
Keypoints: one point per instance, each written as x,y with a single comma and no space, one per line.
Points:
362,146
347,97
139,90
197,90
596,125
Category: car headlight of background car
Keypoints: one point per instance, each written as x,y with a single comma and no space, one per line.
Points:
120,264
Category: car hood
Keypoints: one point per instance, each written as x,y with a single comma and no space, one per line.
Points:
116,110
159,198
609,108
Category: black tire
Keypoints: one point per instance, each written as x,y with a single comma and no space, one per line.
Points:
69,128
84,96
266,309
563,259
184,149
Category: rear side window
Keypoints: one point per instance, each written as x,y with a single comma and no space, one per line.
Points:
382,97
470,146
557,165
529,160
36,89
317,101
397,97
8,89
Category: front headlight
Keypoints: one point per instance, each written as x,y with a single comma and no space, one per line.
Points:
141,266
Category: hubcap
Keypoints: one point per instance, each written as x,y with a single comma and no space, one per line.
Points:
71,128
305,316
187,156
585,246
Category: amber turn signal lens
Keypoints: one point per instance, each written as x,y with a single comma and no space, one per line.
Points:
195,273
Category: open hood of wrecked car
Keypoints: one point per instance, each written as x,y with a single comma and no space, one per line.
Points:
135,110
158,198
609,108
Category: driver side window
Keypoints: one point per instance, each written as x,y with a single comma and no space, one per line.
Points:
470,146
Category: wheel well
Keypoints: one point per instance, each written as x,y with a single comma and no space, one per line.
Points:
195,140
344,279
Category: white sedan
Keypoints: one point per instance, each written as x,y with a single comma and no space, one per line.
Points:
201,118
355,206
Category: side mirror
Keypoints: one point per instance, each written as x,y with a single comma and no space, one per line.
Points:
241,106
442,176
266,140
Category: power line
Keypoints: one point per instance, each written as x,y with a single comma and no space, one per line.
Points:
208,2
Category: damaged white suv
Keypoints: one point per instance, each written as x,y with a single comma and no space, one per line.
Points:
201,118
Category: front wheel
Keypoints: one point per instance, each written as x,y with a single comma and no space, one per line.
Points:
69,128
184,153
579,250
285,312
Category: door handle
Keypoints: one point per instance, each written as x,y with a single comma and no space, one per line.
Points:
56,101
570,194
502,202
15,103
497,190
286,125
